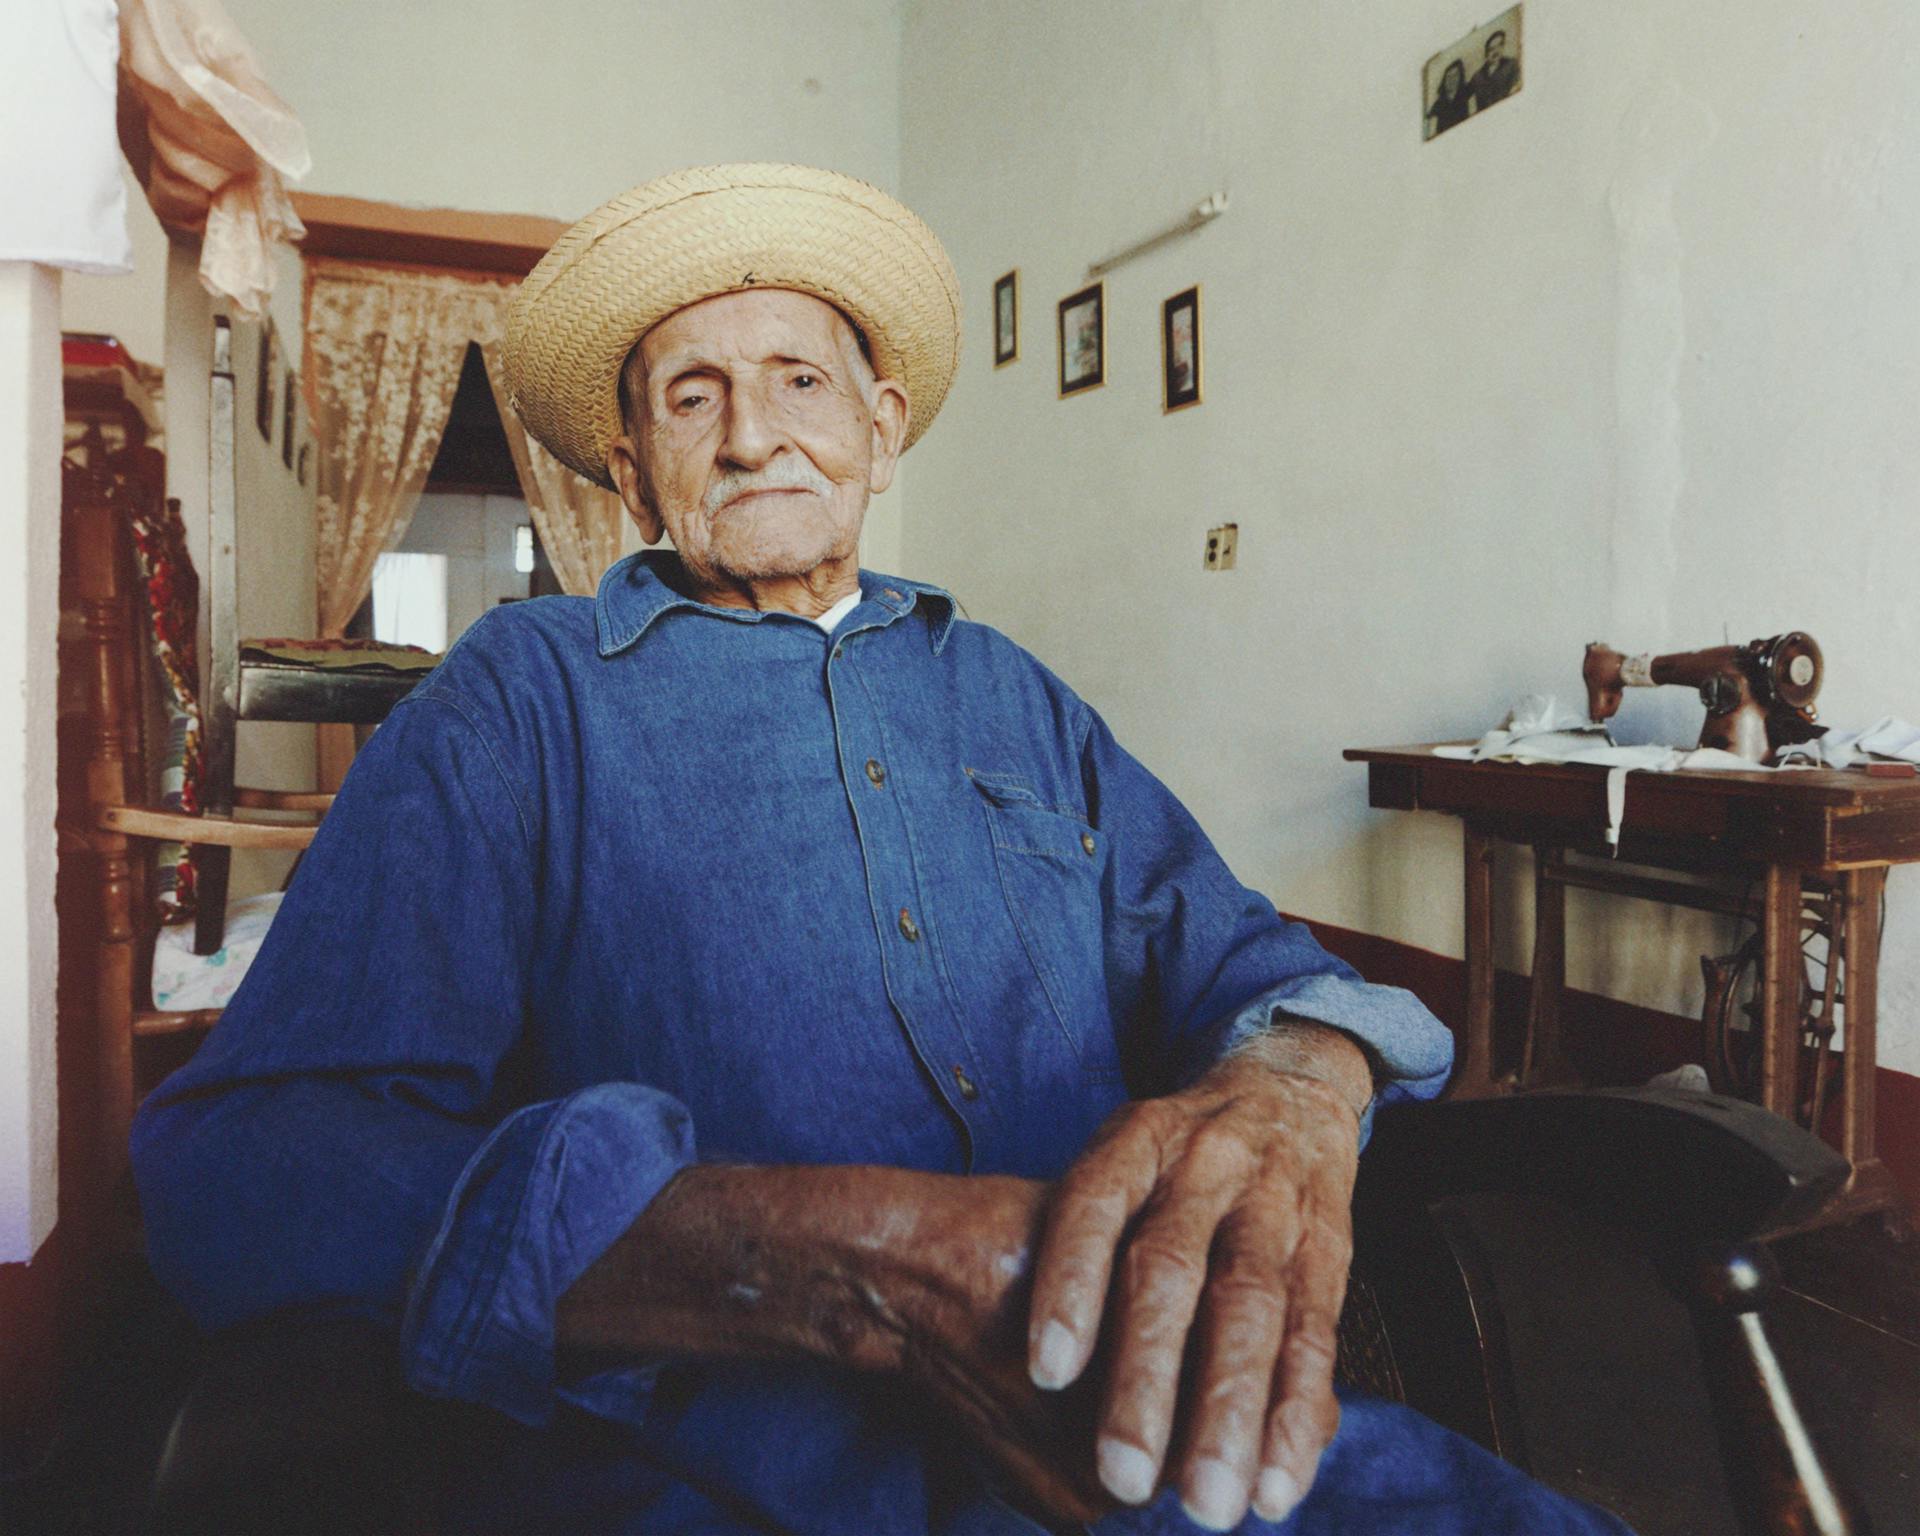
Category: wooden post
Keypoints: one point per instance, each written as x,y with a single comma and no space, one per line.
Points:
1544,1063
1864,889
99,550
1782,977
1474,1078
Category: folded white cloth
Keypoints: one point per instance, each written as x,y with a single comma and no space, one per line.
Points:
1538,729
1887,738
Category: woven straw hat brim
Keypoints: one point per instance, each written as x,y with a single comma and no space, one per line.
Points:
723,229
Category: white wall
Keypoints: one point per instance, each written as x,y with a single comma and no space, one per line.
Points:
131,306
502,107
1631,356
30,425
475,533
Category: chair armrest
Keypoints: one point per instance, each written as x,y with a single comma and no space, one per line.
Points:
173,827
1693,1169
250,799
1696,1176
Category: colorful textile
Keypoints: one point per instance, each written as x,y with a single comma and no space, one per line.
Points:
173,604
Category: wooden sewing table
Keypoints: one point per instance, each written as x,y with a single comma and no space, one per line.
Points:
1822,836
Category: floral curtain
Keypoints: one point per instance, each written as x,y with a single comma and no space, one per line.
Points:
581,524
384,349
384,352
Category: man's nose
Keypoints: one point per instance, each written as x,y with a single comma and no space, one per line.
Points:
753,429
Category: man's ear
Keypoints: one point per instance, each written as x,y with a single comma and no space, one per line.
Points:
891,412
623,467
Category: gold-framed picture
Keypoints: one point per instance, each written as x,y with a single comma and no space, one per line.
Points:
1180,350
1083,340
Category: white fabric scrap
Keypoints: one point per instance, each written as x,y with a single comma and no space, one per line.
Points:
1886,740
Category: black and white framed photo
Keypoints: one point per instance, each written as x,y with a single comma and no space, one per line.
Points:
1180,350
1083,340
1006,319
1479,71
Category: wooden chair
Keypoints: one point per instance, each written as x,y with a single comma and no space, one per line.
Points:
109,911
300,1422
318,682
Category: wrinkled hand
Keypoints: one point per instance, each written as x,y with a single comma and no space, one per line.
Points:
1210,1229
965,1346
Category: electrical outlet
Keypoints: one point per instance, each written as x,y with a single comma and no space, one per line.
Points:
1222,545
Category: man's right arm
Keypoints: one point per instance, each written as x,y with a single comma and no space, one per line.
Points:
352,1135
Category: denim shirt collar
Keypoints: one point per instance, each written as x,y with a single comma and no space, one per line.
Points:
634,592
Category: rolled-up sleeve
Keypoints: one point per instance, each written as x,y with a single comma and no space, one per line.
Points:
543,1197
354,1134
1202,963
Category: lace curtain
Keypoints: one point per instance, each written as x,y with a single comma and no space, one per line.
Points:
385,348
581,524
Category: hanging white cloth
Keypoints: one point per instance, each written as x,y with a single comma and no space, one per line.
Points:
221,140
63,202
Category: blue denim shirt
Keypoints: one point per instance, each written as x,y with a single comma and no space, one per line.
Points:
634,881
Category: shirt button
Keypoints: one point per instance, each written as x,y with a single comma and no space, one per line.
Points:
909,930
1086,842
837,650
968,1088
876,773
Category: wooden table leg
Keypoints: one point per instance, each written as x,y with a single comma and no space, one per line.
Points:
1544,1062
1872,1186
1474,1077
1782,975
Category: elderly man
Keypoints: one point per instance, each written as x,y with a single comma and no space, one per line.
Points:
773,1015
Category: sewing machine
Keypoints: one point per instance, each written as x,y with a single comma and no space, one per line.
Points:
1759,696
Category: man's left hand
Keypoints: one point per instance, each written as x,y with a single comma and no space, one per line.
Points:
1211,1229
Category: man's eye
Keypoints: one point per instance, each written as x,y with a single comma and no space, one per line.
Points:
805,380
689,402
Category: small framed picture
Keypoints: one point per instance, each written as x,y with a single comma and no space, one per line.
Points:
1180,350
1083,340
1479,71
263,381
287,419
1006,319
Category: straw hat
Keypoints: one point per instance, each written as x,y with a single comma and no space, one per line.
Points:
719,229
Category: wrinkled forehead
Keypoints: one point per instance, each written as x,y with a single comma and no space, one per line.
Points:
751,324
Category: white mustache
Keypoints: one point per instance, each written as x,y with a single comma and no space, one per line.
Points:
793,473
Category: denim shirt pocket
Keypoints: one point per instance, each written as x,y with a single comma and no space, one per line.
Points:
1050,864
